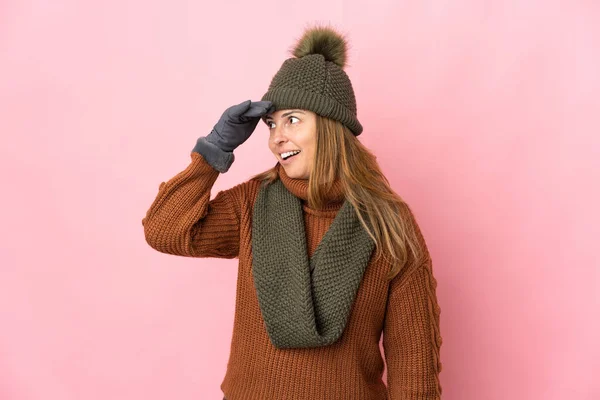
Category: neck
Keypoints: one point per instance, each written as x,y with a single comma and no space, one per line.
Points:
334,196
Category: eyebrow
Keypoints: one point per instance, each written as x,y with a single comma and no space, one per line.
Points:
287,113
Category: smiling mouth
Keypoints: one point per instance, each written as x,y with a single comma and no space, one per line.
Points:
289,155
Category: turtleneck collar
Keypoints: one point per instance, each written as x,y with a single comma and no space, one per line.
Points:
299,188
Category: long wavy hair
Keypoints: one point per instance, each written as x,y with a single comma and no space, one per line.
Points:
387,218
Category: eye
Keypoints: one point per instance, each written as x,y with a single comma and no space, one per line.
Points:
289,118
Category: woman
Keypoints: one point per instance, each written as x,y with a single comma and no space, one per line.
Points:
329,256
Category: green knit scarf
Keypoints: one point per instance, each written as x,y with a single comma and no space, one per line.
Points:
305,302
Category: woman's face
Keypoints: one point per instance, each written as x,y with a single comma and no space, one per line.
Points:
293,130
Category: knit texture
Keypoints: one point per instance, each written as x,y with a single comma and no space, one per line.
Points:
305,302
312,83
183,220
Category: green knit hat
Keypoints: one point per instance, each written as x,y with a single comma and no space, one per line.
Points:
314,79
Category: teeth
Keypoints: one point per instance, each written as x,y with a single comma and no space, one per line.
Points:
289,154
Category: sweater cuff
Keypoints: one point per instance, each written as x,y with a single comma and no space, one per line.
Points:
217,158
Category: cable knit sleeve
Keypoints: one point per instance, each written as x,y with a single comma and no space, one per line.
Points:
183,220
411,337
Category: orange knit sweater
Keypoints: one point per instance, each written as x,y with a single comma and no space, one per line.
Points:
183,221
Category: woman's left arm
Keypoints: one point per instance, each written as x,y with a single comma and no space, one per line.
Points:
412,340
411,336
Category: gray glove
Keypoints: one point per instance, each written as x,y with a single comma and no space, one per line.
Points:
234,127
237,124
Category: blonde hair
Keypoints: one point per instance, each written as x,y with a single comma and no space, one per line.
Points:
385,216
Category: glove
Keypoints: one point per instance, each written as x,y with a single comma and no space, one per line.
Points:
234,127
237,124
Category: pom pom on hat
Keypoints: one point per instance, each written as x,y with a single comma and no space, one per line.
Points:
323,40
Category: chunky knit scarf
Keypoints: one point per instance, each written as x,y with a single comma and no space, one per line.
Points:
305,302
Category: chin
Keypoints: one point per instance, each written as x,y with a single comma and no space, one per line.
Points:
294,175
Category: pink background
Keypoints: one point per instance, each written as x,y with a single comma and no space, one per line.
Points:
484,116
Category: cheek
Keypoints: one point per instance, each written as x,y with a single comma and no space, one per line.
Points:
310,152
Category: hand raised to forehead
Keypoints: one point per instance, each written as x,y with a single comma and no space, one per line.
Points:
237,123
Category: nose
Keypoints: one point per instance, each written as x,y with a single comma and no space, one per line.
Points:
279,134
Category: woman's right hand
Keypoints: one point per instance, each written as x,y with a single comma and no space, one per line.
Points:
237,124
